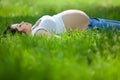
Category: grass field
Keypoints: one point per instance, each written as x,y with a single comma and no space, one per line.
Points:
89,55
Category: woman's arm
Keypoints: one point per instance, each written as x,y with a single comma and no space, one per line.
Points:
43,32
37,23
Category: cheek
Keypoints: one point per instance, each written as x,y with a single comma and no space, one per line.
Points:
28,27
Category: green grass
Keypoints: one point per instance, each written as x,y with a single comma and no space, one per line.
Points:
90,55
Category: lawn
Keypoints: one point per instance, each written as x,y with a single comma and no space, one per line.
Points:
90,55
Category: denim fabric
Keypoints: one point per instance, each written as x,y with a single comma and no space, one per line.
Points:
104,23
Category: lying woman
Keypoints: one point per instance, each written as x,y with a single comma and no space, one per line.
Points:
61,23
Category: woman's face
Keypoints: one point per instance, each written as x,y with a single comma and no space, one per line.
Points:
24,27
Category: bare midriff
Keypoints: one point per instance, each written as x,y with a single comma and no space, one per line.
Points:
75,19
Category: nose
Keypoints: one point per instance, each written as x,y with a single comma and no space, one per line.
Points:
22,22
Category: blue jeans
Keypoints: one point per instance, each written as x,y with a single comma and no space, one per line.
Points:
104,23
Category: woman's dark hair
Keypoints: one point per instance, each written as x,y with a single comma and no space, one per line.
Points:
10,30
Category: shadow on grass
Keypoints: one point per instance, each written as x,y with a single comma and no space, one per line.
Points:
104,12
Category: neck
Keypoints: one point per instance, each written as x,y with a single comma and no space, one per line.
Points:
28,31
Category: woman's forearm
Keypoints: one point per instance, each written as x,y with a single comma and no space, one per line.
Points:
43,32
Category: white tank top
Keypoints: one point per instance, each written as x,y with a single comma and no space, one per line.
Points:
52,24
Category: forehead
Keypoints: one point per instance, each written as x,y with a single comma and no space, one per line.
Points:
24,23
14,26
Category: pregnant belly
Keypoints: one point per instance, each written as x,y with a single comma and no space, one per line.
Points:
75,20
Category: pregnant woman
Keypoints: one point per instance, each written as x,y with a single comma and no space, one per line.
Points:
61,23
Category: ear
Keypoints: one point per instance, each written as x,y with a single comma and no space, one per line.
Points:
19,29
